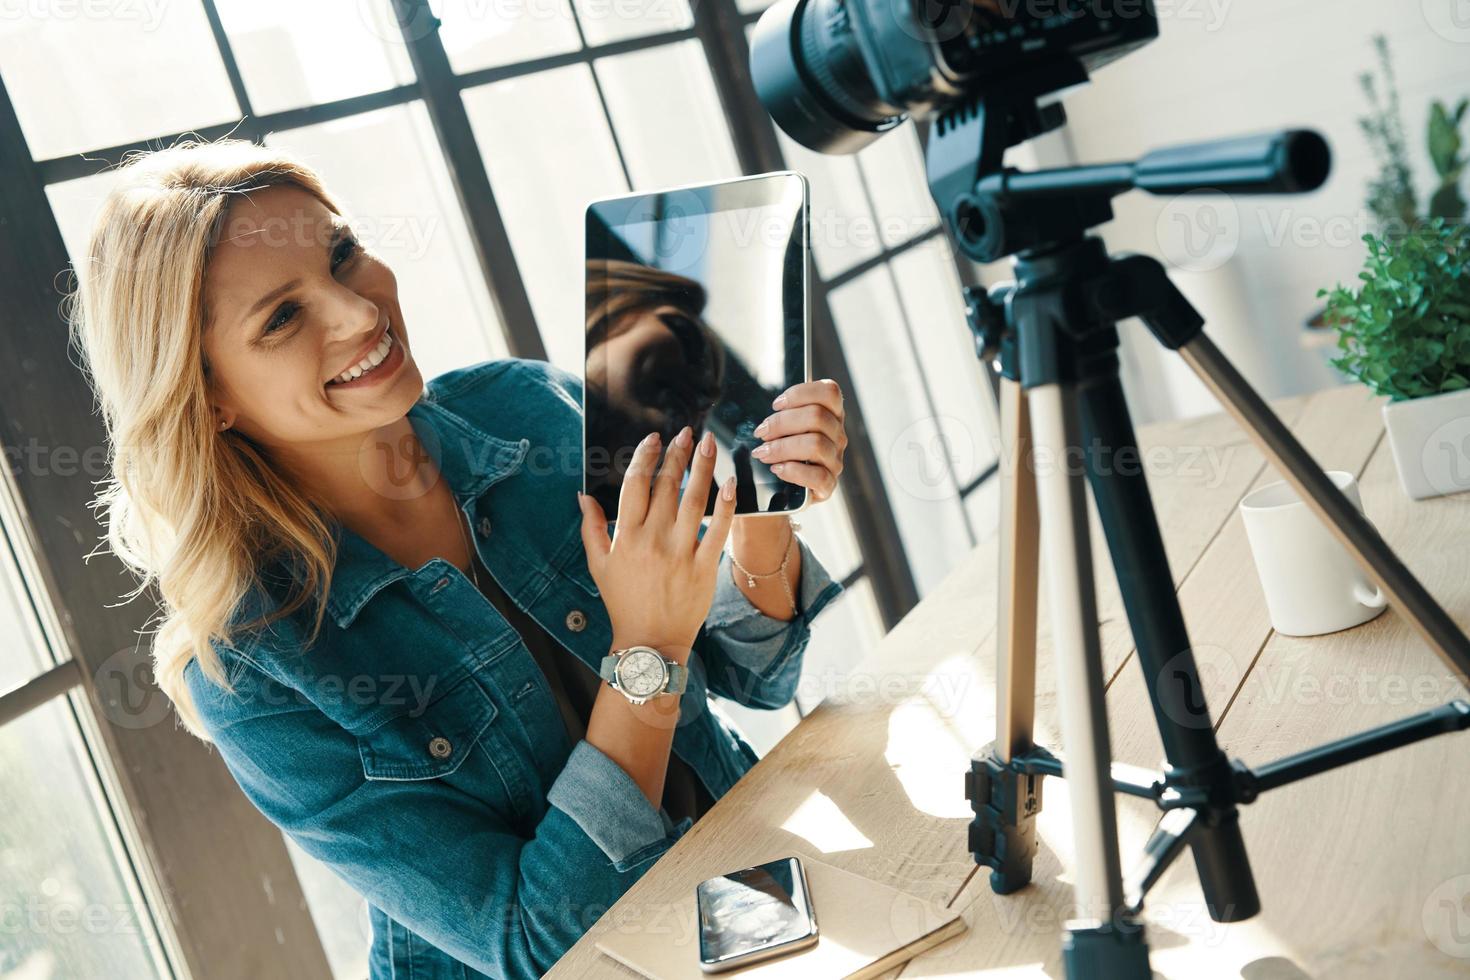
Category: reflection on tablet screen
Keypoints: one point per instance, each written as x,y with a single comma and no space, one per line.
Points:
696,315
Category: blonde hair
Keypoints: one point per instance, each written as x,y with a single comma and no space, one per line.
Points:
188,506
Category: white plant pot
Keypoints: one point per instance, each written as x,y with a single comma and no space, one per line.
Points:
1430,438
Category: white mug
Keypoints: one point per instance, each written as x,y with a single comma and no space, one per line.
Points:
1312,584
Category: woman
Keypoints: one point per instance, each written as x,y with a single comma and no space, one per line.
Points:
388,606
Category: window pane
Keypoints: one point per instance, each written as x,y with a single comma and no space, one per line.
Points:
983,506
667,115
828,530
488,33
403,207
934,301
71,905
912,453
843,634
74,202
843,230
893,168
548,151
339,913
295,54
604,21
72,909
86,82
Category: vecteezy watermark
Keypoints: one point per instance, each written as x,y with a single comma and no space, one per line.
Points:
1202,230
51,913
1446,917
1445,456
397,21
944,21
1181,690
148,14
1450,19
405,466
125,690
406,21
1188,918
925,454
922,457
1199,231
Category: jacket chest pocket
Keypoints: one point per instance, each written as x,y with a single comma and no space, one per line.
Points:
454,738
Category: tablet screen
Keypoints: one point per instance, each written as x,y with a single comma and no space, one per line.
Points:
696,315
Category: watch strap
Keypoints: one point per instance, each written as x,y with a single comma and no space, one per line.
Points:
678,678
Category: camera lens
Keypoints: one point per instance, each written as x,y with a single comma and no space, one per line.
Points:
810,75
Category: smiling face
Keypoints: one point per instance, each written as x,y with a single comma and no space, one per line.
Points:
294,303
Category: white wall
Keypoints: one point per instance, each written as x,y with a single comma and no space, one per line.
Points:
1225,67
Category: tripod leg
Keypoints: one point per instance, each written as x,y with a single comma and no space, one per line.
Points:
1005,800
1360,538
1080,688
1162,646
1015,686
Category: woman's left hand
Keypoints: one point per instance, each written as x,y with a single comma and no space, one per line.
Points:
804,441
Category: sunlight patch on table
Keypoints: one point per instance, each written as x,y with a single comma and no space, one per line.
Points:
821,823
933,729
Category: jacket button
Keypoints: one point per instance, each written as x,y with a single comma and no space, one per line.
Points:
576,620
484,527
439,747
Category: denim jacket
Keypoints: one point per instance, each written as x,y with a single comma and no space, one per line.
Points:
415,747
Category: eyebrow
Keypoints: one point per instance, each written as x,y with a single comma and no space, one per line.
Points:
338,231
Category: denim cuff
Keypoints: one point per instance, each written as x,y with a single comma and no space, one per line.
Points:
731,606
608,805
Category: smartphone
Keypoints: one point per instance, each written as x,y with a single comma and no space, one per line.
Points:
755,914
697,314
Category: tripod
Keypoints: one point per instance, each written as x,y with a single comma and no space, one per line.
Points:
1053,334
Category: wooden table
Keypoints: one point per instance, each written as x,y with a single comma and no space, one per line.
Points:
1364,872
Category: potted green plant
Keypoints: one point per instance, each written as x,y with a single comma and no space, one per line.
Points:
1405,333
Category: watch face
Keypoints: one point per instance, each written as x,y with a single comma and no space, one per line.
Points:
641,673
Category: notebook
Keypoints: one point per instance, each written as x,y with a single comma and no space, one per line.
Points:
865,928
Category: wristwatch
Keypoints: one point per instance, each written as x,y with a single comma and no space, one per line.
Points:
641,673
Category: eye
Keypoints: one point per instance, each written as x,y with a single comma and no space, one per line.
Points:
284,314
346,249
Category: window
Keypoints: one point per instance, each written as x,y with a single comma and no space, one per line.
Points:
71,901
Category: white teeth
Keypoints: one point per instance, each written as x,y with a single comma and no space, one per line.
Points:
374,358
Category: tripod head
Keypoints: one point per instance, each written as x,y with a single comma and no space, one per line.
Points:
996,211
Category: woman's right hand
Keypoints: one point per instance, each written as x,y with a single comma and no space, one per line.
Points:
657,575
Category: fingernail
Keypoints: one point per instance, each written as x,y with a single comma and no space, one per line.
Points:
761,452
780,401
760,430
685,434
777,467
707,443
728,490
650,440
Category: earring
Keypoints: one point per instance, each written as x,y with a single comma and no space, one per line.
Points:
223,424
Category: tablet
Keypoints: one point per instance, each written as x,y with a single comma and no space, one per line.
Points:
697,314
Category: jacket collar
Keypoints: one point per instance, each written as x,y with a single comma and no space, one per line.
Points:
470,459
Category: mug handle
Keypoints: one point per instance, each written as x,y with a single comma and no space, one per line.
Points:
1371,596
1368,594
